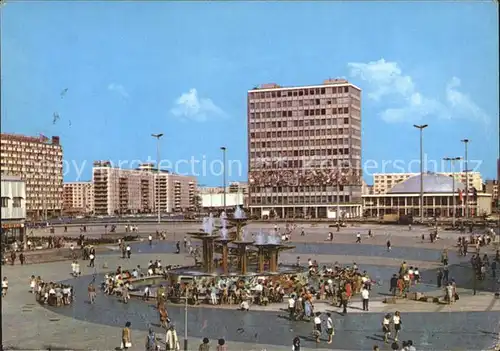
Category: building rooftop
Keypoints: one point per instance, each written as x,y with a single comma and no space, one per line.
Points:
327,82
433,183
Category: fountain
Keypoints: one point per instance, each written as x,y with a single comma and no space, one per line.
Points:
231,240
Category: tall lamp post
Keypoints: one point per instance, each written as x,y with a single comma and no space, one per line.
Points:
421,127
158,137
452,167
466,165
223,148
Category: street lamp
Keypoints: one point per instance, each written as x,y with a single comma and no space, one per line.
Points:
223,148
466,165
452,164
158,136
185,321
421,127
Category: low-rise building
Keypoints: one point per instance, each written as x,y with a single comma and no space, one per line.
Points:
384,182
491,187
13,190
439,191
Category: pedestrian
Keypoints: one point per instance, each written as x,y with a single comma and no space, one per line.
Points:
389,247
396,320
365,294
302,233
329,327
92,260
344,298
92,294
296,344
204,346
150,238
129,251
291,307
178,247
21,258
317,327
221,345
151,340
171,339
126,337
12,257
386,327
358,238
5,286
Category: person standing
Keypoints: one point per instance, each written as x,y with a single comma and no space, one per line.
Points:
151,340
204,346
92,259
178,247
12,257
21,258
221,345
389,246
365,295
343,301
396,320
329,327
386,327
172,340
129,251
126,337
92,294
291,307
439,278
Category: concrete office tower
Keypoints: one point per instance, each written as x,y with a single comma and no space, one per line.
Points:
304,150
78,198
132,191
37,161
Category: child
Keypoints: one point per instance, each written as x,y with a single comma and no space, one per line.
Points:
317,327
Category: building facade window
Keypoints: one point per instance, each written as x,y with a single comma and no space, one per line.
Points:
5,202
16,202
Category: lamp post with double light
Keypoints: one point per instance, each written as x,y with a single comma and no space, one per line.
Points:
421,127
158,137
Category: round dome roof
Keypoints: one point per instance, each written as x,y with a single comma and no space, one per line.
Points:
433,183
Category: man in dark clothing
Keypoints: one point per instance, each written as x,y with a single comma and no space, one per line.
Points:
394,285
344,301
21,258
494,269
439,278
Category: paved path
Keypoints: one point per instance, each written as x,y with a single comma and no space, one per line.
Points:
82,326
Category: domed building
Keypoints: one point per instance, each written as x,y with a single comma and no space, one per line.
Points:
439,190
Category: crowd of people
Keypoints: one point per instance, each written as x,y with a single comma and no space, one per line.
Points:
50,293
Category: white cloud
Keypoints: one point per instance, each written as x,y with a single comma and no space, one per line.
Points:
120,89
386,80
190,107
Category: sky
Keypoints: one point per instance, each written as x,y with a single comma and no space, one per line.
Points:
184,68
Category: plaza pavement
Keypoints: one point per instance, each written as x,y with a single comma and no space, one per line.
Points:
471,323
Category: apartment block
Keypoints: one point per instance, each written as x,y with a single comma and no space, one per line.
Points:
383,182
491,187
78,198
142,190
38,162
13,209
304,150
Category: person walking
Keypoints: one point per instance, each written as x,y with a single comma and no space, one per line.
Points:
150,238
358,238
5,286
22,258
365,295
389,246
178,247
296,344
386,327
396,320
129,251
329,327
126,337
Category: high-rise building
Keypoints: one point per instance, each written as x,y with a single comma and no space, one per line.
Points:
78,198
130,191
304,150
383,182
37,161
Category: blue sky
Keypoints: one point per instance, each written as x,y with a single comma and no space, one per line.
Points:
134,68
